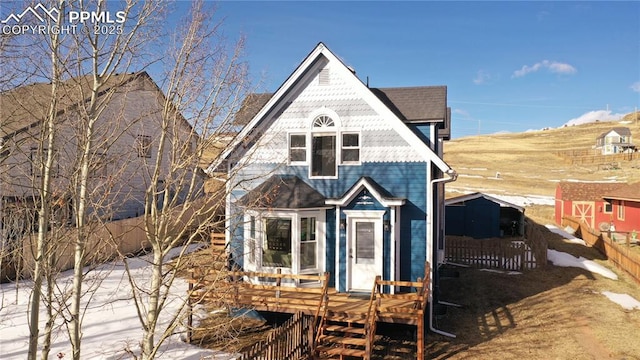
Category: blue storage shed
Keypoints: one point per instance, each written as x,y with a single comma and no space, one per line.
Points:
481,216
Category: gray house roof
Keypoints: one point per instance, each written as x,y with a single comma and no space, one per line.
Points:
624,131
26,106
283,192
411,104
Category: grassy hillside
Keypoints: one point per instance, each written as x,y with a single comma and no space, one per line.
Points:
527,163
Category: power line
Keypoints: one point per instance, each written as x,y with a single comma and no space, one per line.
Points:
518,105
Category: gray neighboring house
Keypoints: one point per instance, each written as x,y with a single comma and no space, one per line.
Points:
615,141
126,149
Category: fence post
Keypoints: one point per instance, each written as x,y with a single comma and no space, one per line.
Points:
190,315
628,238
278,283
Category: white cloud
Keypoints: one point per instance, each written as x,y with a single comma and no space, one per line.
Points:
552,66
592,116
481,77
461,112
635,86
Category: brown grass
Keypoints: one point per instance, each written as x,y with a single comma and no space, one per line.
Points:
550,313
526,161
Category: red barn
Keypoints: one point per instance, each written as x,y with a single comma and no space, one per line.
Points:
625,202
585,201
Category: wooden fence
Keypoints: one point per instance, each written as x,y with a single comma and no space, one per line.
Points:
622,256
292,340
578,157
104,242
492,253
537,241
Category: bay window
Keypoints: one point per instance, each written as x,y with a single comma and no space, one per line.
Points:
286,239
276,248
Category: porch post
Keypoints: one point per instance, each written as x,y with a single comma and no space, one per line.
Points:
336,275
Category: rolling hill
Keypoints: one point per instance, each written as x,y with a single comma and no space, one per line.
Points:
529,164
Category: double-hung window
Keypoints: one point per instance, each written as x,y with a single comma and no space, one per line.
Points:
308,243
323,147
350,148
297,148
143,144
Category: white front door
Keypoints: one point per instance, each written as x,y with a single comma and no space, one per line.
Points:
365,252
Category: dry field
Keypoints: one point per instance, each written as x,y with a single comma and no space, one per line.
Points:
527,163
550,313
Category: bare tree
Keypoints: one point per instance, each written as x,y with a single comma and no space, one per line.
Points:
205,80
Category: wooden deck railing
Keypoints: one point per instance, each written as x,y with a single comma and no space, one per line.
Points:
420,297
372,317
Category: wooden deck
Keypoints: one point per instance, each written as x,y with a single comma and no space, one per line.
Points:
344,323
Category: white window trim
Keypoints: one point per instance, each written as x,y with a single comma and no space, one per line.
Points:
294,216
306,148
338,143
347,132
621,211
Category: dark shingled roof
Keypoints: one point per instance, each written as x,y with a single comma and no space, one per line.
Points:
626,192
581,191
283,192
410,104
415,104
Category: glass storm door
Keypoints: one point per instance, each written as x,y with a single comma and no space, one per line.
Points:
365,253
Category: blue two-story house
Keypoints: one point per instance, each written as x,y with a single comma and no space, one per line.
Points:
331,175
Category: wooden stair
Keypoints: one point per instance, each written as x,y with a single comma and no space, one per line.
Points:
219,251
341,334
340,338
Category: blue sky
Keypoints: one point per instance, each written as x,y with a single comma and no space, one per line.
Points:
509,66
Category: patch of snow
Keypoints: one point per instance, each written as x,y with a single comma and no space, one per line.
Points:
567,234
624,300
526,200
554,180
589,181
563,259
502,272
471,176
110,322
479,169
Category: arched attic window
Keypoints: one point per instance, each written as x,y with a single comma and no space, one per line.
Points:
323,121
323,147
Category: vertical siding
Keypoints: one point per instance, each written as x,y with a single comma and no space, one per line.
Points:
330,246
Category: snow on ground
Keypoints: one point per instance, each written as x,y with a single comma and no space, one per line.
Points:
559,258
567,233
502,272
526,200
111,322
520,200
624,300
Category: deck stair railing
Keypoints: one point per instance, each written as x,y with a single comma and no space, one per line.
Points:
343,334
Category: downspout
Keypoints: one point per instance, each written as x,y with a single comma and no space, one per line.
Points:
452,176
